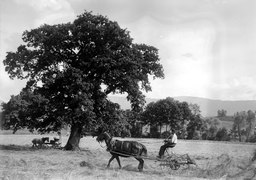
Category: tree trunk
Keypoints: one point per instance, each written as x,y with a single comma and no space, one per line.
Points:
74,138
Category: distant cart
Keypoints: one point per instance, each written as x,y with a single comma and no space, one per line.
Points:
55,143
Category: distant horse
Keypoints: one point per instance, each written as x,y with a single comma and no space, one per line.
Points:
39,142
124,149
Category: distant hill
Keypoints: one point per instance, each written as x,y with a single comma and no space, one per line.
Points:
208,107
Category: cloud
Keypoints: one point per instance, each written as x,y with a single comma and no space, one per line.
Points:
50,11
245,86
18,16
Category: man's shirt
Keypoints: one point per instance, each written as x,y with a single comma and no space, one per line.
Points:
173,138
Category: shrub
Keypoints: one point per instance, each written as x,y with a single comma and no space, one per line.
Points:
222,135
196,135
252,139
145,135
125,133
136,131
204,136
154,132
211,135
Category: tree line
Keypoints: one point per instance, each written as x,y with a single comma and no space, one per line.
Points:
194,126
169,113
189,124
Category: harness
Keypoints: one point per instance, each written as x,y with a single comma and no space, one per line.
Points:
117,147
112,145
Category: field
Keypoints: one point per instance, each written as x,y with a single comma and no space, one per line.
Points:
215,160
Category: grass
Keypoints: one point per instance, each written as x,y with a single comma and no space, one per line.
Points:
215,160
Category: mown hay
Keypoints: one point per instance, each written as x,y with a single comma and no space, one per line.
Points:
222,166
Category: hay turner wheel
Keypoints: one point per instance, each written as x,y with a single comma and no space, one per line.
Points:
174,161
170,163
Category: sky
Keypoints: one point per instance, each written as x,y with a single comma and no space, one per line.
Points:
207,47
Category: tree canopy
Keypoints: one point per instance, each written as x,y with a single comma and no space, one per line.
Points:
72,67
168,112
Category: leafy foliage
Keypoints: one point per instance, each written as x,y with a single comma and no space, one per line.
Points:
168,111
222,113
135,125
73,67
22,110
239,123
222,135
243,126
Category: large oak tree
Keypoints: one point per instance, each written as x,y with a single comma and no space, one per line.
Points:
71,68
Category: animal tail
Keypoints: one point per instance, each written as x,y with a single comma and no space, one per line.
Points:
144,151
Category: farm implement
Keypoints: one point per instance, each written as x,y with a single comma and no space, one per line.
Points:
169,161
53,143
45,143
174,161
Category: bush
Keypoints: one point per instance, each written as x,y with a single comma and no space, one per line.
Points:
196,135
136,131
222,135
211,134
154,132
125,133
252,139
145,135
204,136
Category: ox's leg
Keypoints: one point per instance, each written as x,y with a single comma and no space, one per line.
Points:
140,167
111,159
118,160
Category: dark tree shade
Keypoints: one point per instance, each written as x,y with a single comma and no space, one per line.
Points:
74,67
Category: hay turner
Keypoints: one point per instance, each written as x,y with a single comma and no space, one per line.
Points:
171,160
174,161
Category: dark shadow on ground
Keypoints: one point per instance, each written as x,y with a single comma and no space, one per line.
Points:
13,147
